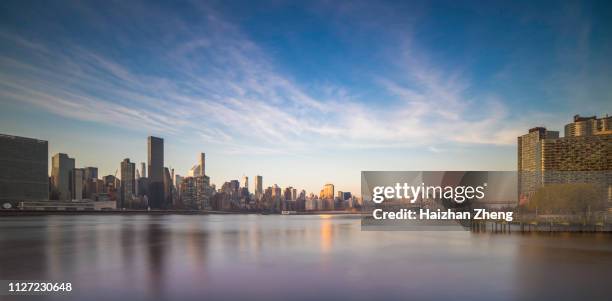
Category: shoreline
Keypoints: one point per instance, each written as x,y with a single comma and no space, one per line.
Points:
157,212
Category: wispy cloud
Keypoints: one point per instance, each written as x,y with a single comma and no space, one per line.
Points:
222,87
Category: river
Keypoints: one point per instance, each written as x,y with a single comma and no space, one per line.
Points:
271,257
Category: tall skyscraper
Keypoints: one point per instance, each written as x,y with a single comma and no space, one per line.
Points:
61,167
202,164
198,169
24,164
155,153
128,183
258,187
245,182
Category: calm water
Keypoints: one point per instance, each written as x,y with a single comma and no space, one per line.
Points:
251,257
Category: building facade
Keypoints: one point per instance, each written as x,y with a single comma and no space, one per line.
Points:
258,187
584,155
61,167
128,183
588,126
23,169
155,156
76,183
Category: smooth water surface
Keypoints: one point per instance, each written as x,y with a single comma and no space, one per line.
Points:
271,257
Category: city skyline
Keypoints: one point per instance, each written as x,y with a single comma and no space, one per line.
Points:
336,90
129,168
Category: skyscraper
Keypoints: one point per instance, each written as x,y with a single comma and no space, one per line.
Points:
245,182
202,164
128,183
155,154
258,187
24,166
143,170
61,167
76,183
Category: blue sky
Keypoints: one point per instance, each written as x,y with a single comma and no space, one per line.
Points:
301,93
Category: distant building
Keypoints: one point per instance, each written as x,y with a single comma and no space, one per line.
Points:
287,193
584,155
202,164
128,183
112,186
177,183
143,170
300,200
194,192
168,190
110,181
24,165
200,168
328,191
76,183
588,126
143,186
67,205
258,187
276,192
235,187
155,154
90,173
327,196
90,178
245,182
61,167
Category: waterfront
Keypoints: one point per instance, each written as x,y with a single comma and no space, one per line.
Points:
256,257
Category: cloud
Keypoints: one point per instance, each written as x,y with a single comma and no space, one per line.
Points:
220,86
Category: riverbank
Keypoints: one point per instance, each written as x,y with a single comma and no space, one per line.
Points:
155,212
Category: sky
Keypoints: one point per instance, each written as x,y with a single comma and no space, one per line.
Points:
301,92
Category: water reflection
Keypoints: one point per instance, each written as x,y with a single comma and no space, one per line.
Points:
295,257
